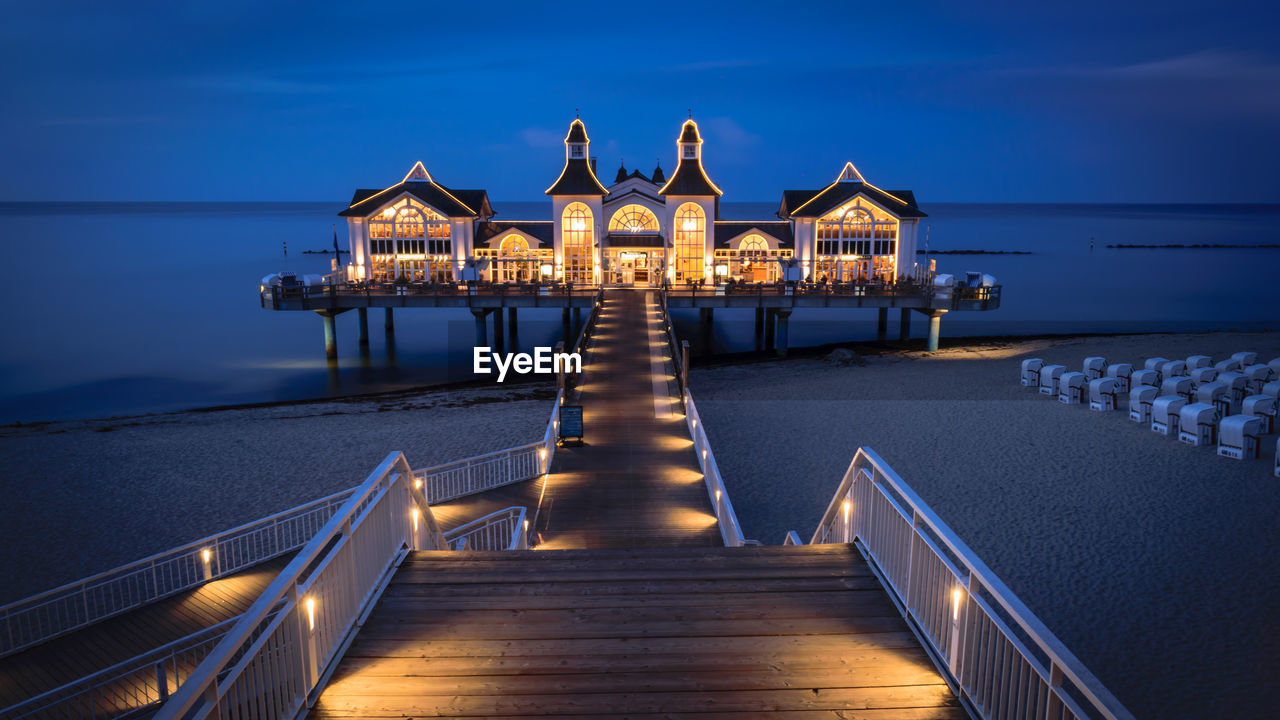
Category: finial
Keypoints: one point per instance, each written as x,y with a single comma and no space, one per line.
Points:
576,114
690,113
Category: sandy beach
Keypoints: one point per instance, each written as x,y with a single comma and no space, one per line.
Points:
1154,561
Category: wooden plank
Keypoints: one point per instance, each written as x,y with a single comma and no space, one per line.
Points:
934,713
670,600
627,587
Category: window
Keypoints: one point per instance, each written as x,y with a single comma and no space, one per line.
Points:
403,236
633,218
689,243
578,243
513,245
857,241
575,151
691,152
754,245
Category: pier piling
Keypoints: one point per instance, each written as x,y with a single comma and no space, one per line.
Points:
706,321
564,326
759,335
770,320
904,325
882,323
364,326
935,328
513,330
391,322
482,333
499,332
330,335
784,321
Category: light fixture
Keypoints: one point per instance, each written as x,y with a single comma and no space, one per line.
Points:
311,613
206,555
957,595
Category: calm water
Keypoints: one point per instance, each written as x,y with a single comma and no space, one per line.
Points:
129,308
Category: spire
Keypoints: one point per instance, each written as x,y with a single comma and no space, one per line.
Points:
689,178
578,176
659,177
622,173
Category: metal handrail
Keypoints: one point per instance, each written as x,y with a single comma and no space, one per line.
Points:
502,530
730,530
70,607
283,647
1002,659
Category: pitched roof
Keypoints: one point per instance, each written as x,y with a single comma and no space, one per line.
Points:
577,132
689,132
726,230
543,230
577,179
449,202
816,203
659,177
690,179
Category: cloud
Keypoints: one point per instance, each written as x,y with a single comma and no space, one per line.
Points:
728,133
541,138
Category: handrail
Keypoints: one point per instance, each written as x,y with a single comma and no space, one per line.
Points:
283,647
1002,658
502,530
730,530
42,617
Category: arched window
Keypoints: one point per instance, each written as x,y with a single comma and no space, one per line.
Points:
753,245
513,245
576,226
689,243
633,218
408,238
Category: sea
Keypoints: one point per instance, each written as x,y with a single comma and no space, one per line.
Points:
121,309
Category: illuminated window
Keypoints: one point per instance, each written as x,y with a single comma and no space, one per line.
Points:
402,239
856,242
689,243
578,244
633,218
514,245
691,152
754,245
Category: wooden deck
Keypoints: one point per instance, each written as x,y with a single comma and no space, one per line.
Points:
776,632
65,659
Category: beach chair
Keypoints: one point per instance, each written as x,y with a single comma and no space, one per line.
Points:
1261,406
1217,394
1031,372
1178,385
1272,388
1141,398
1144,377
1195,362
1202,375
1094,367
1104,394
1071,388
1198,424
1165,414
1259,376
1049,375
1240,437
1173,368
1245,358
1227,366
1121,372
1274,364
1277,467
1154,365
1237,385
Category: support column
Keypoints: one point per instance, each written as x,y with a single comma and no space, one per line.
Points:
784,320
759,329
564,327
330,335
482,334
577,321
391,322
904,325
882,323
935,328
769,322
513,330
706,324
499,332
364,326
684,364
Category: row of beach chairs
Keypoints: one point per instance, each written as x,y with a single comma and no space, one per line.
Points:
1232,403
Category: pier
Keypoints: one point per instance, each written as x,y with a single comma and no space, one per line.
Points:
608,578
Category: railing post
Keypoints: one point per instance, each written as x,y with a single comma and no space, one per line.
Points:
162,682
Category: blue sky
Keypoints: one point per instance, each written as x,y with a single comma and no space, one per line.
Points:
1089,102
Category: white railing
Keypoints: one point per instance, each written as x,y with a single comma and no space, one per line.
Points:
730,531
503,530
491,470
34,620
1003,659
128,687
283,647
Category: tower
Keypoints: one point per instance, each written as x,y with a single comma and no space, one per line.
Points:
693,204
576,201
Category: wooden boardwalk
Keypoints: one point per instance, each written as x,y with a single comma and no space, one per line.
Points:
776,632
66,659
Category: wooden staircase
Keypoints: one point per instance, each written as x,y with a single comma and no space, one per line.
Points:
777,632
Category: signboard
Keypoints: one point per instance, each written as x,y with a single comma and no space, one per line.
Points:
571,424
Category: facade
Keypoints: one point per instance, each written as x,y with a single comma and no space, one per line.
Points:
640,231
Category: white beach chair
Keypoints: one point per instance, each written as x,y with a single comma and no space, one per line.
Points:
1217,394
1240,437
1173,368
1277,467
1196,362
1237,385
1144,377
1154,363
1140,399
1049,375
1272,388
1198,424
1202,375
1261,406
1031,372
1104,394
1245,358
1071,388
1165,414
1121,372
1094,367
1178,385
1227,366
1274,364
1259,376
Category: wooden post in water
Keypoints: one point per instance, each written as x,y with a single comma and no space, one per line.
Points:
513,331
759,329
769,322
499,332
482,333
904,324
330,333
684,364
391,322
364,326
882,323
784,318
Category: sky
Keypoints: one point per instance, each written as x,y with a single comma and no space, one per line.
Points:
1002,102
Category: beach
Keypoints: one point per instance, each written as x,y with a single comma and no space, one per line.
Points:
1155,562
